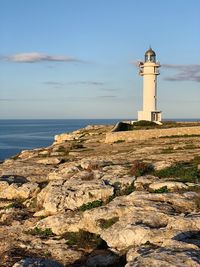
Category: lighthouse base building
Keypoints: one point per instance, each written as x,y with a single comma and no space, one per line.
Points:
149,69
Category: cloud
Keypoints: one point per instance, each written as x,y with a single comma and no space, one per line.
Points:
184,72
39,57
96,83
55,83
107,96
109,89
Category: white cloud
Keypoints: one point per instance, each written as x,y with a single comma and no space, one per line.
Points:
189,72
39,57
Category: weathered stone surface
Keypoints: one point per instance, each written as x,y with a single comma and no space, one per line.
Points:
169,184
60,195
143,182
165,257
34,172
16,191
29,262
49,161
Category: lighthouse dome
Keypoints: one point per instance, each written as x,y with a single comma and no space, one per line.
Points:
150,55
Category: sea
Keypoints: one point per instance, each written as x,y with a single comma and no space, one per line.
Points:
18,135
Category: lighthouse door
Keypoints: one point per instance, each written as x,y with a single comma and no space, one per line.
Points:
155,116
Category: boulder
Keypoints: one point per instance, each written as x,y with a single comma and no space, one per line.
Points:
17,191
30,262
60,195
172,186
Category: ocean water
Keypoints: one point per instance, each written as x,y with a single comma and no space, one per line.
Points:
17,135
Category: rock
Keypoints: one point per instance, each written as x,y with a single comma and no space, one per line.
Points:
64,172
143,182
161,165
62,223
33,172
102,258
94,164
172,186
60,195
165,257
49,161
30,262
16,191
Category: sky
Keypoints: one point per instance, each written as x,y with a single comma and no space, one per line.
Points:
73,59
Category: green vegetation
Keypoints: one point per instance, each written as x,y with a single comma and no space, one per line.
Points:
144,123
91,205
84,239
167,150
40,232
105,224
119,141
181,171
140,168
181,136
17,204
161,190
119,191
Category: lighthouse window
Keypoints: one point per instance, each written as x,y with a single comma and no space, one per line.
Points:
152,58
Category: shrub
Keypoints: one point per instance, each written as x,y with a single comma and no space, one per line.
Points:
105,224
40,232
17,204
140,168
182,171
91,205
144,123
161,190
84,239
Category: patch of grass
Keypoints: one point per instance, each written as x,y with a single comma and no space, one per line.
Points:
197,201
182,171
91,205
119,191
167,150
119,141
145,123
141,168
161,190
17,204
84,239
181,136
40,232
105,224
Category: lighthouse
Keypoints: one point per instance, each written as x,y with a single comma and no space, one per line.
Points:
149,69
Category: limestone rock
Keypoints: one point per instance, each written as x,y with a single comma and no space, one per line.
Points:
102,258
143,182
49,161
60,195
29,262
16,191
165,257
171,185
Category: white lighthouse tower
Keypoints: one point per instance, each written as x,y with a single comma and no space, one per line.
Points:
149,69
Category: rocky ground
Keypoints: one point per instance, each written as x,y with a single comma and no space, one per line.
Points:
81,202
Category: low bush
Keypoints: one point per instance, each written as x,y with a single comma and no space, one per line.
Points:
105,224
145,123
84,239
161,190
40,232
181,171
140,168
91,205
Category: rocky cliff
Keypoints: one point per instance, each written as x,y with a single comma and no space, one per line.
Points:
82,202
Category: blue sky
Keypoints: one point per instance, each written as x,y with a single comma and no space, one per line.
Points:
75,58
